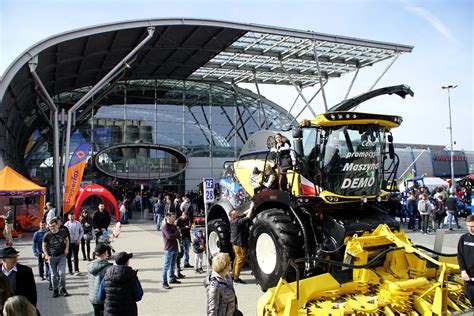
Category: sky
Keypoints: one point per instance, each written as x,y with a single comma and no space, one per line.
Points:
442,33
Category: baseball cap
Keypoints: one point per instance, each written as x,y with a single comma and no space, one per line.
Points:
8,252
122,257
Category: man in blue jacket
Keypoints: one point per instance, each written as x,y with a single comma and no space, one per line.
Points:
120,288
38,250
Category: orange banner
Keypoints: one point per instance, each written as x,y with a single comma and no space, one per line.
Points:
75,171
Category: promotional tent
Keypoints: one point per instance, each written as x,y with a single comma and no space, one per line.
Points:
107,198
14,185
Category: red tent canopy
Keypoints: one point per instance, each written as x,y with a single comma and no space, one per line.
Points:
94,189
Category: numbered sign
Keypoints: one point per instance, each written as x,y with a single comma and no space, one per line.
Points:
208,190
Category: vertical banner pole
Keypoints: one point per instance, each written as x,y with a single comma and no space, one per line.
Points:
208,192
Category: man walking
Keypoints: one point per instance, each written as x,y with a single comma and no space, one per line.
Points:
158,212
466,258
238,237
170,236
55,247
20,277
75,232
38,250
9,219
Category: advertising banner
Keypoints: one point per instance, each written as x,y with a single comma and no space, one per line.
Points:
75,171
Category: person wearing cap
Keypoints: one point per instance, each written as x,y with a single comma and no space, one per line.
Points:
56,247
120,288
97,270
9,219
20,277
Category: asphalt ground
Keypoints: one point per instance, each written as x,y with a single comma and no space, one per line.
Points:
188,298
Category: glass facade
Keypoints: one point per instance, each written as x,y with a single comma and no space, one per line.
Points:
196,119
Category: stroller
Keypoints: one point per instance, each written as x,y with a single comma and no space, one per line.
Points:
105,239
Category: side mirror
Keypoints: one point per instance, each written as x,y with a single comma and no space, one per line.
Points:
391,148
297,132
255,171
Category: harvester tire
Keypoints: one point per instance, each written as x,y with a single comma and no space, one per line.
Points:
218,237
273,242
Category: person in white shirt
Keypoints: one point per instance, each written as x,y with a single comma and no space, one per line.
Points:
76,232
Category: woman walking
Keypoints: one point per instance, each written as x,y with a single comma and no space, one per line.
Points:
86,222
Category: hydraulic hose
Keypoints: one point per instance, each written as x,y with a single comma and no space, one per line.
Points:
435,252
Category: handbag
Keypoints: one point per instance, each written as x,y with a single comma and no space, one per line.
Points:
88,236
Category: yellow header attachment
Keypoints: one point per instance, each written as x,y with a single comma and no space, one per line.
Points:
348,118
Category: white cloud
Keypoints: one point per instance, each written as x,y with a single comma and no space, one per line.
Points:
433,20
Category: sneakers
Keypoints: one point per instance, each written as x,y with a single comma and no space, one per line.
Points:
64,293
55,294
71,273
166,286
50,287
187,265
77,273
201,270
175,282
42,278
239,280
180,275
451,228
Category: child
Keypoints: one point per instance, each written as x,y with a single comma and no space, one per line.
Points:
199,246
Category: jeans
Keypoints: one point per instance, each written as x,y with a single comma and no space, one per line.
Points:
124,217
450,218
424,223
7,232
240,254
170,263
158,218
73,251
86,245
57,267
41,265
198,260
469,291
186,244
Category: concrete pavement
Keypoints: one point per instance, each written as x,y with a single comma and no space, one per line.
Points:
188,298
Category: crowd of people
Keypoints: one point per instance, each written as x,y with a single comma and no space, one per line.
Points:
427,212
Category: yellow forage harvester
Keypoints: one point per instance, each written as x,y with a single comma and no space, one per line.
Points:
383,274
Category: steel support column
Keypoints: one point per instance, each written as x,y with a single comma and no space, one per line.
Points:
105,80
352,83
319,74
260,101
53,108
298,89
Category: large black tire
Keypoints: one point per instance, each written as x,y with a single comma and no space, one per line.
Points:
218,237
273,242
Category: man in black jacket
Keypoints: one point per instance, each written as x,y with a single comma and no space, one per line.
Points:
452,206
466,258
20,277
238,237
121,288
100,221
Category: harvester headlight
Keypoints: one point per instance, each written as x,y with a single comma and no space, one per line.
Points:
333,117
354,115
348,116
379,198
335,199
339,116
364,199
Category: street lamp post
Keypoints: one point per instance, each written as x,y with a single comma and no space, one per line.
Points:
451,133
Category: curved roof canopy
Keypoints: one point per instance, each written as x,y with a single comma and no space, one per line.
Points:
191,49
